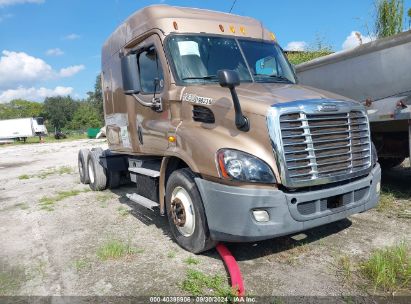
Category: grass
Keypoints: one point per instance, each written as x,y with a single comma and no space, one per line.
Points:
55,171
48,202
123,211
293,254
191,261
50,171
22,206
346,267
115,249
103,199
11,279
80,264
300,57
171,255
197,283
389,269
387,201
39,269
47,139
395,203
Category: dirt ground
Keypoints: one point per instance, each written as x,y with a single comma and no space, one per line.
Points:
51,247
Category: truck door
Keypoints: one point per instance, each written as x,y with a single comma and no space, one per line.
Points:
152,125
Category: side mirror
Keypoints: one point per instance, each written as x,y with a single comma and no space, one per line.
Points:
228,78
130,74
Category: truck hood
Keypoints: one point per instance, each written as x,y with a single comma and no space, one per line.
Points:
256,98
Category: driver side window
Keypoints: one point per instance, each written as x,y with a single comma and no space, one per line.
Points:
151,73
268,66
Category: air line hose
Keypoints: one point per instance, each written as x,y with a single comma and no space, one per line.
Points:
233,269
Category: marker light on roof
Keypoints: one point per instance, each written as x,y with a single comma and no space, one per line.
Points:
273,36
221,28
175,25
232,29
242,30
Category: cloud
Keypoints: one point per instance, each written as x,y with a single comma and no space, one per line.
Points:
54,52
71,36
71,70
5,17
355,39
296,46
34,94
20,69
13,2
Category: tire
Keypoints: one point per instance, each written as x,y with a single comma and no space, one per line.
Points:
388,163
97,174
185,212
113,179
82,166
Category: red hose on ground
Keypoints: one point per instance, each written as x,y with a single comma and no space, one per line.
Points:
233,269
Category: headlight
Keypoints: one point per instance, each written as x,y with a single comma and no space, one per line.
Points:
241,166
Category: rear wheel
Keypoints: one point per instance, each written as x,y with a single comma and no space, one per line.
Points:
96,172
82,166
185,212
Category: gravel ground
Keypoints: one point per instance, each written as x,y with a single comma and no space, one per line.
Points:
53,249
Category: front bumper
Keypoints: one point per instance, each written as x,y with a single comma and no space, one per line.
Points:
229,209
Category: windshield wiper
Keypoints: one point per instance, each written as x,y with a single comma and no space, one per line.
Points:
208,77
279,77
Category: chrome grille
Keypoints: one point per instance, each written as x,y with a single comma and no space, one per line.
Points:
323,145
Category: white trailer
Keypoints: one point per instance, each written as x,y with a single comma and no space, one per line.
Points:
379,75
22,128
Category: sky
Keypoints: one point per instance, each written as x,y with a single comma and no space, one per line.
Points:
52,47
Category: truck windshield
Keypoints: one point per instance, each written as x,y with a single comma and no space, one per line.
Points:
197,59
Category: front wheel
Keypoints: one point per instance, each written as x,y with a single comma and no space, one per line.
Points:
185,212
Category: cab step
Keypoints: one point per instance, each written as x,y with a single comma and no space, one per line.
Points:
145,171
142,201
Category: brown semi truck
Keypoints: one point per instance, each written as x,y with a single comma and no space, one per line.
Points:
205,115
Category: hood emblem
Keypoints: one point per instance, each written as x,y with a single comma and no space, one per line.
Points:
328,107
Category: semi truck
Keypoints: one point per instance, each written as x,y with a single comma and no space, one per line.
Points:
378,75
22,128
204,114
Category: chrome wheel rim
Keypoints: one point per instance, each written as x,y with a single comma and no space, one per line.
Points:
91,173
182,211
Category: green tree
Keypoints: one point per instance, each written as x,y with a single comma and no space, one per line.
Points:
60,110
390,17
409,18
20,108
319,48
86,116
95,98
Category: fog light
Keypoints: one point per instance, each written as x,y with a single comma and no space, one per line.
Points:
378,187
261,215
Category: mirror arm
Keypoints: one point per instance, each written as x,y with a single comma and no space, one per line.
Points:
156,103
144,103
242,123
